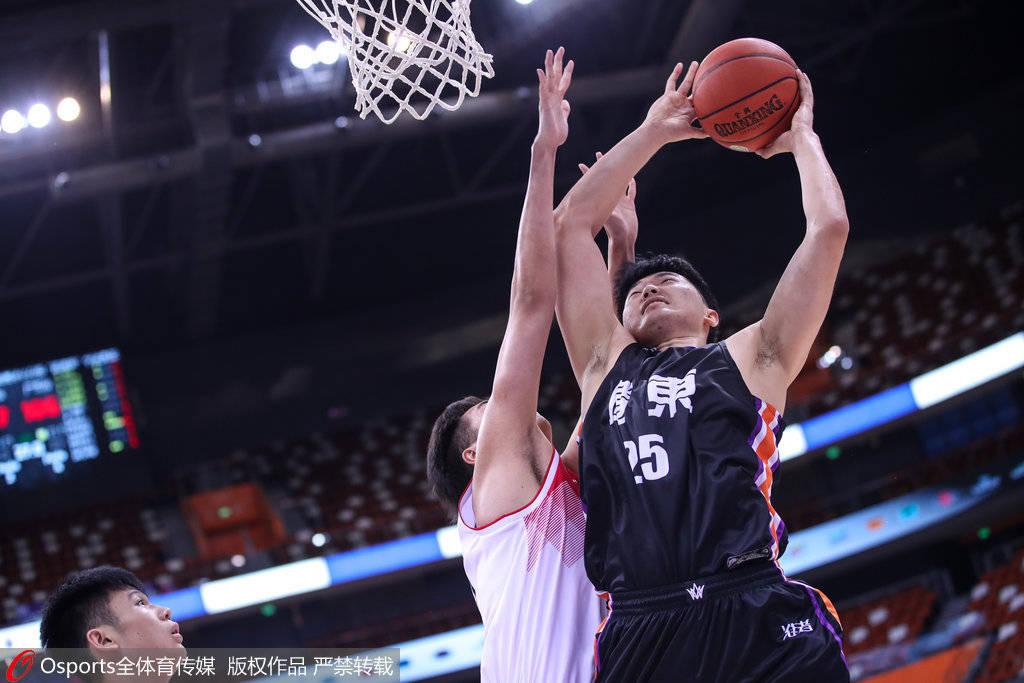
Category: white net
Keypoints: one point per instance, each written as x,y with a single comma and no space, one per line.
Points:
406,55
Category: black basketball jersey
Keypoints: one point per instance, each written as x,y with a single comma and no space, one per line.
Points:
676,463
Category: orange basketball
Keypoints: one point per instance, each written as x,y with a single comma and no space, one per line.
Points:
745,93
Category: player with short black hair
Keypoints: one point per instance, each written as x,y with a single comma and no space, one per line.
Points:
679,440
493,462
106,609
663,263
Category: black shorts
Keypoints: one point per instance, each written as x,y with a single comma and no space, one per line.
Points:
750,624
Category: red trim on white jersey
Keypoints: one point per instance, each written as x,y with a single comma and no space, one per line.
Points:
547,470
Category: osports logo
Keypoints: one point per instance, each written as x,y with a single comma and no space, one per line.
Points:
25,658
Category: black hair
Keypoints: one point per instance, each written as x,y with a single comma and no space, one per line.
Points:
80,603
633,272
447,472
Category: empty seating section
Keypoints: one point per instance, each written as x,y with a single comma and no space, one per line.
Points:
948,297
999,597
896,618
34,557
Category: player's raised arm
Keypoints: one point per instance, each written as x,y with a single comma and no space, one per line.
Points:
772,351
502,472
593,335
621,227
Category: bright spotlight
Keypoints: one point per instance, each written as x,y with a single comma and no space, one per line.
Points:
328,52
302,56
403,43
68,109
12,122
524,2
319,539
238,561
39,115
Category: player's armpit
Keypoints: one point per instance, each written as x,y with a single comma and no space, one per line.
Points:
514,473
757,364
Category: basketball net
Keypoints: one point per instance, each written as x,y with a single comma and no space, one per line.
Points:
410,59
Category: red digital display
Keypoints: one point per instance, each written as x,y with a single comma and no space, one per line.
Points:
39,409
54,415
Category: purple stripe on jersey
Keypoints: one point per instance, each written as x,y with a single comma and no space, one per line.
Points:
781,531
778,460
822,619
757,425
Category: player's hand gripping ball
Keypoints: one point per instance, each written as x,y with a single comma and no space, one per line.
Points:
745,93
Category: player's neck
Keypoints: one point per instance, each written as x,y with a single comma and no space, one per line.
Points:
686,340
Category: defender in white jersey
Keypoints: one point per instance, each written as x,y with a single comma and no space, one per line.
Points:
493,463
539,609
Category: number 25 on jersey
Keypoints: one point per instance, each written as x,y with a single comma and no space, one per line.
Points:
650,456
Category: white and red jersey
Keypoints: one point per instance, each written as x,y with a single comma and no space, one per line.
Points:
539,609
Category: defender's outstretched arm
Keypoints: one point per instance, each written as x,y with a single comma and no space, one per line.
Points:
503,478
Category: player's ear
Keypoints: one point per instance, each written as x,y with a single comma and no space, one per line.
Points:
469,455
711,318
101,638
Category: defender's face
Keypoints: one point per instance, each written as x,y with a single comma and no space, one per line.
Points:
143,624
661,306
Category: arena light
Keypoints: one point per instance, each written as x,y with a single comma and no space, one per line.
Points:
237,561
319,539
266,585
328,52
922,392
302,56
449,542
400,43
830,357
39,115
12,122
969,372
68,109
524,2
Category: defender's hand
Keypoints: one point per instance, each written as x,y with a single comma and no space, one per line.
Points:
672,114
802,127
554,110
622,225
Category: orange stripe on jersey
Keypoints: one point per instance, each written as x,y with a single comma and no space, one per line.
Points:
597,637
829,607
765,449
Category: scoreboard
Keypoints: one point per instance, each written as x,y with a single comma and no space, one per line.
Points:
57,414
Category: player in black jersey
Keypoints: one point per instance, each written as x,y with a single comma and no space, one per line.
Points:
678,445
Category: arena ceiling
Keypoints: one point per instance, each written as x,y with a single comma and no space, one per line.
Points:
224,191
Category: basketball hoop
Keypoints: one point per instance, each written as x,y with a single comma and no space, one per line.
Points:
407,53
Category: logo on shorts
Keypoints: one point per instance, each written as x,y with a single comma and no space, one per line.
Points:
696,592
796,628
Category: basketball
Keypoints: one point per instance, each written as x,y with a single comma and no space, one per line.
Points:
745,93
